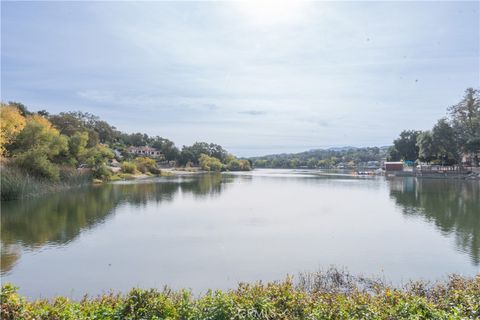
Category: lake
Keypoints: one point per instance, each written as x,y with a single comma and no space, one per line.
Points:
215,230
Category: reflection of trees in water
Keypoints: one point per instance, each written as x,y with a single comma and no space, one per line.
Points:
10,255
207,184
59,218
452,205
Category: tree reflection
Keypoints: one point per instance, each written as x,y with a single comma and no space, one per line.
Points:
452,205
209,184
60,218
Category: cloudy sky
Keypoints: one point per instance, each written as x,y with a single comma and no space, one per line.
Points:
255,77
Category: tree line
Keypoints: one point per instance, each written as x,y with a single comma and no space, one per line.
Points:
452,138
347,157
47,145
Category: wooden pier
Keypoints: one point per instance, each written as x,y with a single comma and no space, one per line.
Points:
439,172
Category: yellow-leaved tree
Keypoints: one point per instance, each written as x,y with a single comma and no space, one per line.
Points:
39,133
37,147
11,124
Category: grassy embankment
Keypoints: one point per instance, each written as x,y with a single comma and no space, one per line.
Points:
329,295
17,183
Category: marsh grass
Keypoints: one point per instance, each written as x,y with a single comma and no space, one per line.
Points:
17,183
330,294
338,280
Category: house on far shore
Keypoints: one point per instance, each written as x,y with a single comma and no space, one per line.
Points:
145,151
393,166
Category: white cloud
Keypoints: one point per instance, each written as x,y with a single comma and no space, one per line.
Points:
315,74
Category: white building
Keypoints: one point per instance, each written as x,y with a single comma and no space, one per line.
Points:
145,151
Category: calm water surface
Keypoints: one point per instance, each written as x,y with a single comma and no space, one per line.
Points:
214,230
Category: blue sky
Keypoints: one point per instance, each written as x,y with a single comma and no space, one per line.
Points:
255,77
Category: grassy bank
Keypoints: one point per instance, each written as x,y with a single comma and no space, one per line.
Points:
325,295
17,183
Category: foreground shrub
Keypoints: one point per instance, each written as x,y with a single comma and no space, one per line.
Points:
332,294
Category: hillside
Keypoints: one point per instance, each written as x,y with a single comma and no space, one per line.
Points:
338,157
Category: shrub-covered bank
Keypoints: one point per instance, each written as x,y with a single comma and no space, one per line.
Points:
327,295
39,147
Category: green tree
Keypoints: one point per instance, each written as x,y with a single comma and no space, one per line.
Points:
325,163
444,141
405,147
245,165
67,123
134,139
262,163
106,132
312,163
465,117
427,151
77,146
71,122
167,147
96,158
37,163
233,165
210,163
192,153
21,107
293,163
39,134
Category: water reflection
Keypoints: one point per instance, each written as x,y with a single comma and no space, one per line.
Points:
260,206
59,218
452,205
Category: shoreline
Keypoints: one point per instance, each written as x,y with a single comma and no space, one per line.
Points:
170,172
51,187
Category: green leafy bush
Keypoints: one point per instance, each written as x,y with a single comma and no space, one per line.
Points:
238,165
233,165
102,172
36,162
332,294
145,164
128,167
208,163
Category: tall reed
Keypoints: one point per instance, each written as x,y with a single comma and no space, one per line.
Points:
17,183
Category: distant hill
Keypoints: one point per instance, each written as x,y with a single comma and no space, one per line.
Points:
341,148
335,157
